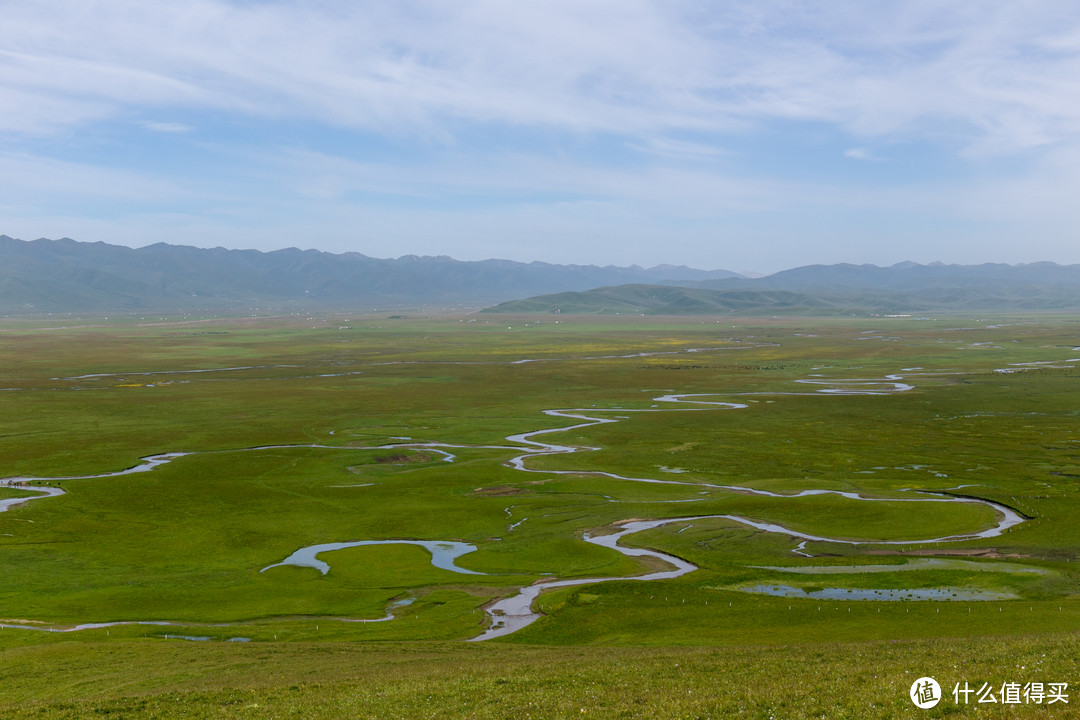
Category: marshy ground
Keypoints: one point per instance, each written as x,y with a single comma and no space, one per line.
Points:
303,431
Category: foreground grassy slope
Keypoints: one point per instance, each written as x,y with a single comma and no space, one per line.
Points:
429,680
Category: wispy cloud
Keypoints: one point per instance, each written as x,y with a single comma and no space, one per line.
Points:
593,119
680,149
167,127
859,153
1007,77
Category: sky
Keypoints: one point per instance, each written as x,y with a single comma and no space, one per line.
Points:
751,135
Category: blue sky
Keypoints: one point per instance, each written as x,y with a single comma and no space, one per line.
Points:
742,135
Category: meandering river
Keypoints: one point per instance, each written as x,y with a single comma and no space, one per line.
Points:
515,612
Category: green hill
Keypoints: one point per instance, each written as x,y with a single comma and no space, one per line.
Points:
755,297
668,300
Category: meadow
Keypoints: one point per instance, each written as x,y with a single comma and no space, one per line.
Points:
854,436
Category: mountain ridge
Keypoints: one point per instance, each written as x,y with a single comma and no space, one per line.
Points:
66,275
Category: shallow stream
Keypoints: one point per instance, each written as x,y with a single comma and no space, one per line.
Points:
515,612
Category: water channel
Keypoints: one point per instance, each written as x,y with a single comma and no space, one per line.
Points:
515,612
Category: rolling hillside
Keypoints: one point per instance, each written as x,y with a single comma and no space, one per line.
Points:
834,289
668,300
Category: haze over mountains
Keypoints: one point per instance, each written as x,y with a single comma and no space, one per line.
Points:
65,276
835,289
68,276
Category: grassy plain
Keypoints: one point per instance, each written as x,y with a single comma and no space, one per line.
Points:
186,541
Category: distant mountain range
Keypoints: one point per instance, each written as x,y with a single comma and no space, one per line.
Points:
909,277
833,290
67,276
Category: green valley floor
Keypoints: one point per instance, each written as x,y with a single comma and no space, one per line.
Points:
539,516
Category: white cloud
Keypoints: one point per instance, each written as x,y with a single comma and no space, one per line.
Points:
859,153
35,180
1007,76
167,127
578,126
680,149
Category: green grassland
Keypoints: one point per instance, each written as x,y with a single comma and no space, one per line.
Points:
359,402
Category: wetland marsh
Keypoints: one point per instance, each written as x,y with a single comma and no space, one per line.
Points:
635,481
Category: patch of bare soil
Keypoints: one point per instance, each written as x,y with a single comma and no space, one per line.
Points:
401,458
500,491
